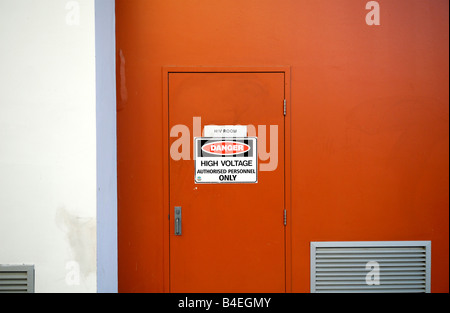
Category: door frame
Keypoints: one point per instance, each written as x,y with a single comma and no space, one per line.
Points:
166,70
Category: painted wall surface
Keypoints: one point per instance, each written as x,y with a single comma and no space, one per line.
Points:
369,118
48,141
105,38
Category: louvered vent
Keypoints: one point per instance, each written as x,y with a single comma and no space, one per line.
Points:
360,267
16,279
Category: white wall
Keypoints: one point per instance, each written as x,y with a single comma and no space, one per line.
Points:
48,141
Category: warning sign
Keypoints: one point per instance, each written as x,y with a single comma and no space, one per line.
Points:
219,161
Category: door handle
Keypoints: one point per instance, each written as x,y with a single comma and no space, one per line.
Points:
178,221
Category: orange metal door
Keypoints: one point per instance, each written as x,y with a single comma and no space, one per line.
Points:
233,235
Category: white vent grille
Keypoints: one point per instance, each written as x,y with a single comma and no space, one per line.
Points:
359,267
16,279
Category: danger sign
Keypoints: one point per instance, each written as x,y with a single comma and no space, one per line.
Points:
219,161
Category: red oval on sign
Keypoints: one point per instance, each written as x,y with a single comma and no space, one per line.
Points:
226,148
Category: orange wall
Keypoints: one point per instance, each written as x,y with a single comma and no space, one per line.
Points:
369,114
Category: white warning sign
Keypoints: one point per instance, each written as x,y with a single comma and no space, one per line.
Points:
225,131
222,160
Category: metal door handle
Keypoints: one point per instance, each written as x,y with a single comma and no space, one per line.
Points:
177,226
177,221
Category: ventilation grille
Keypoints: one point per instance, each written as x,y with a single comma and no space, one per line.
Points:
359,267
16,279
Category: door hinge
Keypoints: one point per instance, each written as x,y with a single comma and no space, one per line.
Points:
285,107
285,217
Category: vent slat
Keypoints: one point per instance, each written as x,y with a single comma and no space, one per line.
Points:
363,287
367,256
13,282
363,283
322,250
404,264
363,276
14,287
419,290
385,269
365,260
13,275
356,273
405,287
341,267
